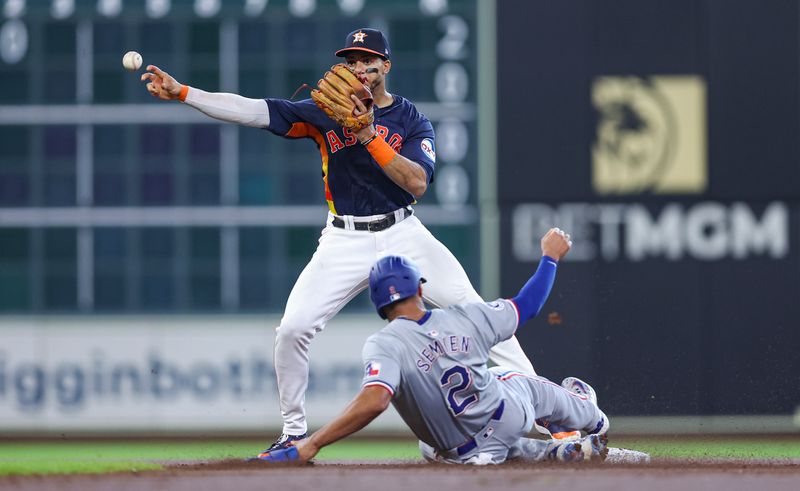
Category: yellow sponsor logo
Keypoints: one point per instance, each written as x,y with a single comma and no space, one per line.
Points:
651,135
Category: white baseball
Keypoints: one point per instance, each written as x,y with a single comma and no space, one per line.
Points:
132,61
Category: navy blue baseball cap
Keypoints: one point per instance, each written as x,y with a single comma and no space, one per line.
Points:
368,40
391,279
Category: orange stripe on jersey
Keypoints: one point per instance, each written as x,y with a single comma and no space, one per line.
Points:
300,130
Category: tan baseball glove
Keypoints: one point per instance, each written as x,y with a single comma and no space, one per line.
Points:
332,95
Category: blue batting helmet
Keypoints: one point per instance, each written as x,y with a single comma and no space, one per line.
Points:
392,279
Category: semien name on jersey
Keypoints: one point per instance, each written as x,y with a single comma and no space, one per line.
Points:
440,347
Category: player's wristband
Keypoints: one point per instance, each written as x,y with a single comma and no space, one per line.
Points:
381,151
369,140
184,93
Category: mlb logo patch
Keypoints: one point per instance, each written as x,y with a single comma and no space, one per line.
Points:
427,148
373,369
393,295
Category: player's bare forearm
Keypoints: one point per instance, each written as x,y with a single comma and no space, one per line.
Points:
368,405
407,174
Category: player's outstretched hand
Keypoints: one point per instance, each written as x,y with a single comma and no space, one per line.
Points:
306,449
162,84
556,243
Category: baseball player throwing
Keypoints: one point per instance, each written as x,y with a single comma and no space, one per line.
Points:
378,157
431,364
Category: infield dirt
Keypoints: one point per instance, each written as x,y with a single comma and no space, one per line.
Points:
235,475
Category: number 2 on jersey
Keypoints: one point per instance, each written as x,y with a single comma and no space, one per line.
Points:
462,382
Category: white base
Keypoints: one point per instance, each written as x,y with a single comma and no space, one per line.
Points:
626,456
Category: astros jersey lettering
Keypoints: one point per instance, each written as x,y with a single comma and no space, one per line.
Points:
436,370
354,183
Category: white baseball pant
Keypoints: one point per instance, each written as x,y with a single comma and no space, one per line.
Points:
337,272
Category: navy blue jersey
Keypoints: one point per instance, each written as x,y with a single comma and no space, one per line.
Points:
354,183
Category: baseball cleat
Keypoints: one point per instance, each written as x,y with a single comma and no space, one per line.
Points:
284,455
569,451
578,386
595,447
589,448
284,441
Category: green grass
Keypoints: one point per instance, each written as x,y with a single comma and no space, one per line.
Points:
131,450
190,450
35,468
66,457
698,448
371,450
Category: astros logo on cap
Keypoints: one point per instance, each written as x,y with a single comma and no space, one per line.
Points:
367,40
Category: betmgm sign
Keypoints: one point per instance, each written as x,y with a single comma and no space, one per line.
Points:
651,139
704,231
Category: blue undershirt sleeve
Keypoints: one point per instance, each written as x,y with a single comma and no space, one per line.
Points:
531,297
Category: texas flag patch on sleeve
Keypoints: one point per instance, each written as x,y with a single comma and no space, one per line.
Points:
373,369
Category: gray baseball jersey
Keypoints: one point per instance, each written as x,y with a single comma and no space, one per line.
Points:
436,370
